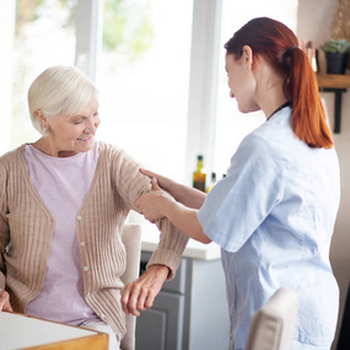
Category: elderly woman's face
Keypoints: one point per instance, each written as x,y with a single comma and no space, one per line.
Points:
74,134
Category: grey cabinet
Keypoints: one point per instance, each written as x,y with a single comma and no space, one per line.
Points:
190,312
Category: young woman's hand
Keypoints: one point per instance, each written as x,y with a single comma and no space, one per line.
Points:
157,204
188,196
163,182
5,301
153,205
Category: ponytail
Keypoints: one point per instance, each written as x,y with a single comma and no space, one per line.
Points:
301,89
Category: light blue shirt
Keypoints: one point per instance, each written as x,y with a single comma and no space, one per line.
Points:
273,215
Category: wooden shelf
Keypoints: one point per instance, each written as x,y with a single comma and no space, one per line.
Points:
334,81
337,84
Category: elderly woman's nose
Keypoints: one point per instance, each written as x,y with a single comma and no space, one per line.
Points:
92,123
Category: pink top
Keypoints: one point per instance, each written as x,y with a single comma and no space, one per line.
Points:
62,184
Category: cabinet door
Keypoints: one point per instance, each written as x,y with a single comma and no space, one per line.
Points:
160,328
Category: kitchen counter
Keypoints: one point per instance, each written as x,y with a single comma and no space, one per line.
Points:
194,249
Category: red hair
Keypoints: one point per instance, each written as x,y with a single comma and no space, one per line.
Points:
279,45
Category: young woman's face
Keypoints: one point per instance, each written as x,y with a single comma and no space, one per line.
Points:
74,134
242,82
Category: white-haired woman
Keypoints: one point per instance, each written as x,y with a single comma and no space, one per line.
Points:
63,202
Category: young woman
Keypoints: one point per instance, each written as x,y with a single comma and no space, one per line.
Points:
274,213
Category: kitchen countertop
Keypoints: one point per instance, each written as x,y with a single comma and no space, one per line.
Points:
194,249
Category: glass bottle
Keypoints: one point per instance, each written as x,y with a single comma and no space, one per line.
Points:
212,182
199,175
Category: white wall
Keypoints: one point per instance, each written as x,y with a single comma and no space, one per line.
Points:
315,18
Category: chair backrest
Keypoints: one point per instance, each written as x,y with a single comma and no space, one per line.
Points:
273,326
132,241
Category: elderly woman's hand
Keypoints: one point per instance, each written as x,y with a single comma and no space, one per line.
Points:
5,301
155,204
140,294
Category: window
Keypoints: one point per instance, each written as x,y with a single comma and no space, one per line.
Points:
143,75
159,68
7,25
44,35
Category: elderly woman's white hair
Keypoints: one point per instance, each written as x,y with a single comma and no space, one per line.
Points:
60,90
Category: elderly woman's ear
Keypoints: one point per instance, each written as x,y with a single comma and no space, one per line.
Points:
42,119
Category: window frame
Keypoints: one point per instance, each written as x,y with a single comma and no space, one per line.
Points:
203,70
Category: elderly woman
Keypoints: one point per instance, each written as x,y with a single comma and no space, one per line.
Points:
64,200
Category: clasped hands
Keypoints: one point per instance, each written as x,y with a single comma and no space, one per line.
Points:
155,204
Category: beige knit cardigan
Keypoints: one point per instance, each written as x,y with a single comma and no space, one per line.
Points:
26,228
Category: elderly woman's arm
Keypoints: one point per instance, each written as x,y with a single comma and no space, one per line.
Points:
140,294
4,240
166,258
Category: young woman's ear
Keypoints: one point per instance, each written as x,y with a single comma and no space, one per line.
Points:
248,56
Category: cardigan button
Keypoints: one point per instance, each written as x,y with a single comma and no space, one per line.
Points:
79,217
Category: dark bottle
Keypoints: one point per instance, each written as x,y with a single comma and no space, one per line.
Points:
199,175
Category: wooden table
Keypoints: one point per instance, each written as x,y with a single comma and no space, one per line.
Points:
23,332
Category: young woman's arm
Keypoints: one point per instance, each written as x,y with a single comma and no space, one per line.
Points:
188,196
158,204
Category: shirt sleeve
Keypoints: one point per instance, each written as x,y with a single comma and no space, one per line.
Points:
239,203
131,184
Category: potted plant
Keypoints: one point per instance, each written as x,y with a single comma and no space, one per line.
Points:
337,55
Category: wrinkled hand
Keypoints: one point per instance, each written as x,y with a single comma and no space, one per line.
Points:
153,204
5,301
140,294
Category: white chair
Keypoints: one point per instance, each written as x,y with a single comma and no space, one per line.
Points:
132,240
273,326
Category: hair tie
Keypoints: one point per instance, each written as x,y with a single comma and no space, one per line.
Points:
286,58
290,50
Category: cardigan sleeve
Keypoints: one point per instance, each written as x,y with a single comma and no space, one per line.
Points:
131,184
171,245
4,229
